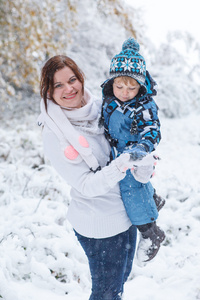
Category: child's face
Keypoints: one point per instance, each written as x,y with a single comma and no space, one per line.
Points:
125,91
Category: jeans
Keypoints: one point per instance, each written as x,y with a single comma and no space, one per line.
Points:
110,261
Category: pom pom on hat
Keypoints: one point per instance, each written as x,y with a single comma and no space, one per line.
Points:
131,44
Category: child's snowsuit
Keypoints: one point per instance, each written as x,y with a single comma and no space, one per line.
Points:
126,125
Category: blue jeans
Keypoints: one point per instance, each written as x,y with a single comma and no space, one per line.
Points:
110,260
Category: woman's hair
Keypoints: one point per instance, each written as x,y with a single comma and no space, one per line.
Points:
54,64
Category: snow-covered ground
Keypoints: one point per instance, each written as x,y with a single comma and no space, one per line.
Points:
39,255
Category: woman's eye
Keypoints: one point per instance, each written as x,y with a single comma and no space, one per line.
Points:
73,79
119,87
57,86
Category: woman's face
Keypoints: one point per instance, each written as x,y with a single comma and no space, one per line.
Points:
67,89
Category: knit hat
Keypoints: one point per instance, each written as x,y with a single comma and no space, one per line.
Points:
129,62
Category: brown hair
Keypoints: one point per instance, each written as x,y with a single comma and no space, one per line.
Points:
54,64
127,79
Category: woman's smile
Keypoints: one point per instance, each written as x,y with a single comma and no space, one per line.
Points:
70,96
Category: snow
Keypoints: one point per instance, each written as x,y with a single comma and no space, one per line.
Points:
40,257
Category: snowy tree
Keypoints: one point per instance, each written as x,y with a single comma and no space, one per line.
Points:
176,68
33,31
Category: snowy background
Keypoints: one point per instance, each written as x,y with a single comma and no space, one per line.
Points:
39,255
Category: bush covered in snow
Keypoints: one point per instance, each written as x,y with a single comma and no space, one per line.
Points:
33,31
176,68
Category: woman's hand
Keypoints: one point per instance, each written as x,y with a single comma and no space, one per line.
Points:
123,162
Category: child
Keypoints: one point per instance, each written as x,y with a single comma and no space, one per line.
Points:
131,125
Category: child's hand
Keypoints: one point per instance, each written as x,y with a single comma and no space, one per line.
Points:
137,153
144,169
149,159
144,173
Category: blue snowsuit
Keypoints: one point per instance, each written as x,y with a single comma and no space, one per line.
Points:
126,125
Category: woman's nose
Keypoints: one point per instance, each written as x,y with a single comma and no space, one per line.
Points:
68,88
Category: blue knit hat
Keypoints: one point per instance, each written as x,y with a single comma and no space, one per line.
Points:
129,62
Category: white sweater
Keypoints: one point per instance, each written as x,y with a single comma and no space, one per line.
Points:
96,209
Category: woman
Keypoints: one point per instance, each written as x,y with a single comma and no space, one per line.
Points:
78,150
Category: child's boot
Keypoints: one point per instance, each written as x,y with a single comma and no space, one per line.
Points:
160,202
150,244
